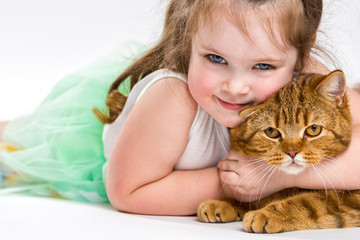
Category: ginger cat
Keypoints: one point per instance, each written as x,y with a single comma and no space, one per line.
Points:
308,121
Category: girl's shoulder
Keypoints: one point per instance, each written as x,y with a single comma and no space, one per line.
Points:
175,91
170,99
166,85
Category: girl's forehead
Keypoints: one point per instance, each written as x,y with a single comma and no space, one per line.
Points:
253,30
272,17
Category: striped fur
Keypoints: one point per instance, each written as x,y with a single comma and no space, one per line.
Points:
313,119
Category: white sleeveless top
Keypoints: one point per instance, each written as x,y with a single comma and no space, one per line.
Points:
208,140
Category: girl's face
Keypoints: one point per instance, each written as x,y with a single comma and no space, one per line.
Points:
230,71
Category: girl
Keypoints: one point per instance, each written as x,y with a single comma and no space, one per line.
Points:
159,156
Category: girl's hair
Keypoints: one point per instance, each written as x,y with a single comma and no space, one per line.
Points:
298,22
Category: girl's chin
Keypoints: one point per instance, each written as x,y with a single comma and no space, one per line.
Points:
230,122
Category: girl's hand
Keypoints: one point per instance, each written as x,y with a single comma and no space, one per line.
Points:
248,179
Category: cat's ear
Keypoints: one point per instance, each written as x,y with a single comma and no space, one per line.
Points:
247,112
333,87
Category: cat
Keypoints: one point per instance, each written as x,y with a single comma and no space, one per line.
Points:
308,121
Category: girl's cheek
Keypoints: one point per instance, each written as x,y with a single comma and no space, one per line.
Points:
199,79
272,86
264,91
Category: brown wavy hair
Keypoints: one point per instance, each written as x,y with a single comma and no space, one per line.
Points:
298,21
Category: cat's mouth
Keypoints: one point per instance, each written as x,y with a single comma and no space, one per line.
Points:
294,166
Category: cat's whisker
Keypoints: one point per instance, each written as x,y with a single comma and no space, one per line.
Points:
272,169
313,167
256,176
331,160
257,187
237,170
332,186
255,169
254,159
252,163
268,171
328,167
263,174
334,164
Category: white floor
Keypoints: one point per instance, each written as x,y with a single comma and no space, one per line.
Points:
44,219
43,40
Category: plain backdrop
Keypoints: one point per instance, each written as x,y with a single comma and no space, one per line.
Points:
44,40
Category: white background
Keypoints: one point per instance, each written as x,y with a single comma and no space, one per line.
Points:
44,40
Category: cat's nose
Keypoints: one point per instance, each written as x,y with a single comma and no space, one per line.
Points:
292,153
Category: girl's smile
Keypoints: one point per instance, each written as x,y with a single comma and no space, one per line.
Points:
233,106
230,71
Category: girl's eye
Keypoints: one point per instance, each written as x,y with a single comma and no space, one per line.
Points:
264,66
217,59
313,130
272,133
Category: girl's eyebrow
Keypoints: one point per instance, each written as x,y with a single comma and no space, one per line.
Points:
210,49
269,60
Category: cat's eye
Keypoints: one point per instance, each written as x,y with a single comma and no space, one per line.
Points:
313,130
272,133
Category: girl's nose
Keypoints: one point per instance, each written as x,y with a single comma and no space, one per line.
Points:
236,84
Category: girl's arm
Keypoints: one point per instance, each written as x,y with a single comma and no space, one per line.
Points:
244,180
140,177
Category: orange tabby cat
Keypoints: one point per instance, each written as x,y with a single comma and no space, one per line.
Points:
306,122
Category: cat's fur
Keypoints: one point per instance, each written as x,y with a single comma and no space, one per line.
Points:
306,123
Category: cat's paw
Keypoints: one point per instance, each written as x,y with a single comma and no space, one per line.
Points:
215,211
264,221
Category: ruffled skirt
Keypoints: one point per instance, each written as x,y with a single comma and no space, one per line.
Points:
59,148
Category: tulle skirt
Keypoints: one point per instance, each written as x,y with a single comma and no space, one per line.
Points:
57,151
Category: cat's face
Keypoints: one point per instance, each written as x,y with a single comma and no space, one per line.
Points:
306,122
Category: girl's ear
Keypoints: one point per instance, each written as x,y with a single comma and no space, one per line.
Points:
332,87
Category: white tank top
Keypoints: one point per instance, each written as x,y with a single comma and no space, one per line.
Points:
208,140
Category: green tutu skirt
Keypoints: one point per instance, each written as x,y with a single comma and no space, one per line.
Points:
59,146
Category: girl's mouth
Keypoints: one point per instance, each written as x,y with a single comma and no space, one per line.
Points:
231,106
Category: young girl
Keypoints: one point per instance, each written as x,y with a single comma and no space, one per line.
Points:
159,156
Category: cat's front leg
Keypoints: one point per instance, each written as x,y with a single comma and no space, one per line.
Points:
311,210
298,212
279,216
217,211
266,220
